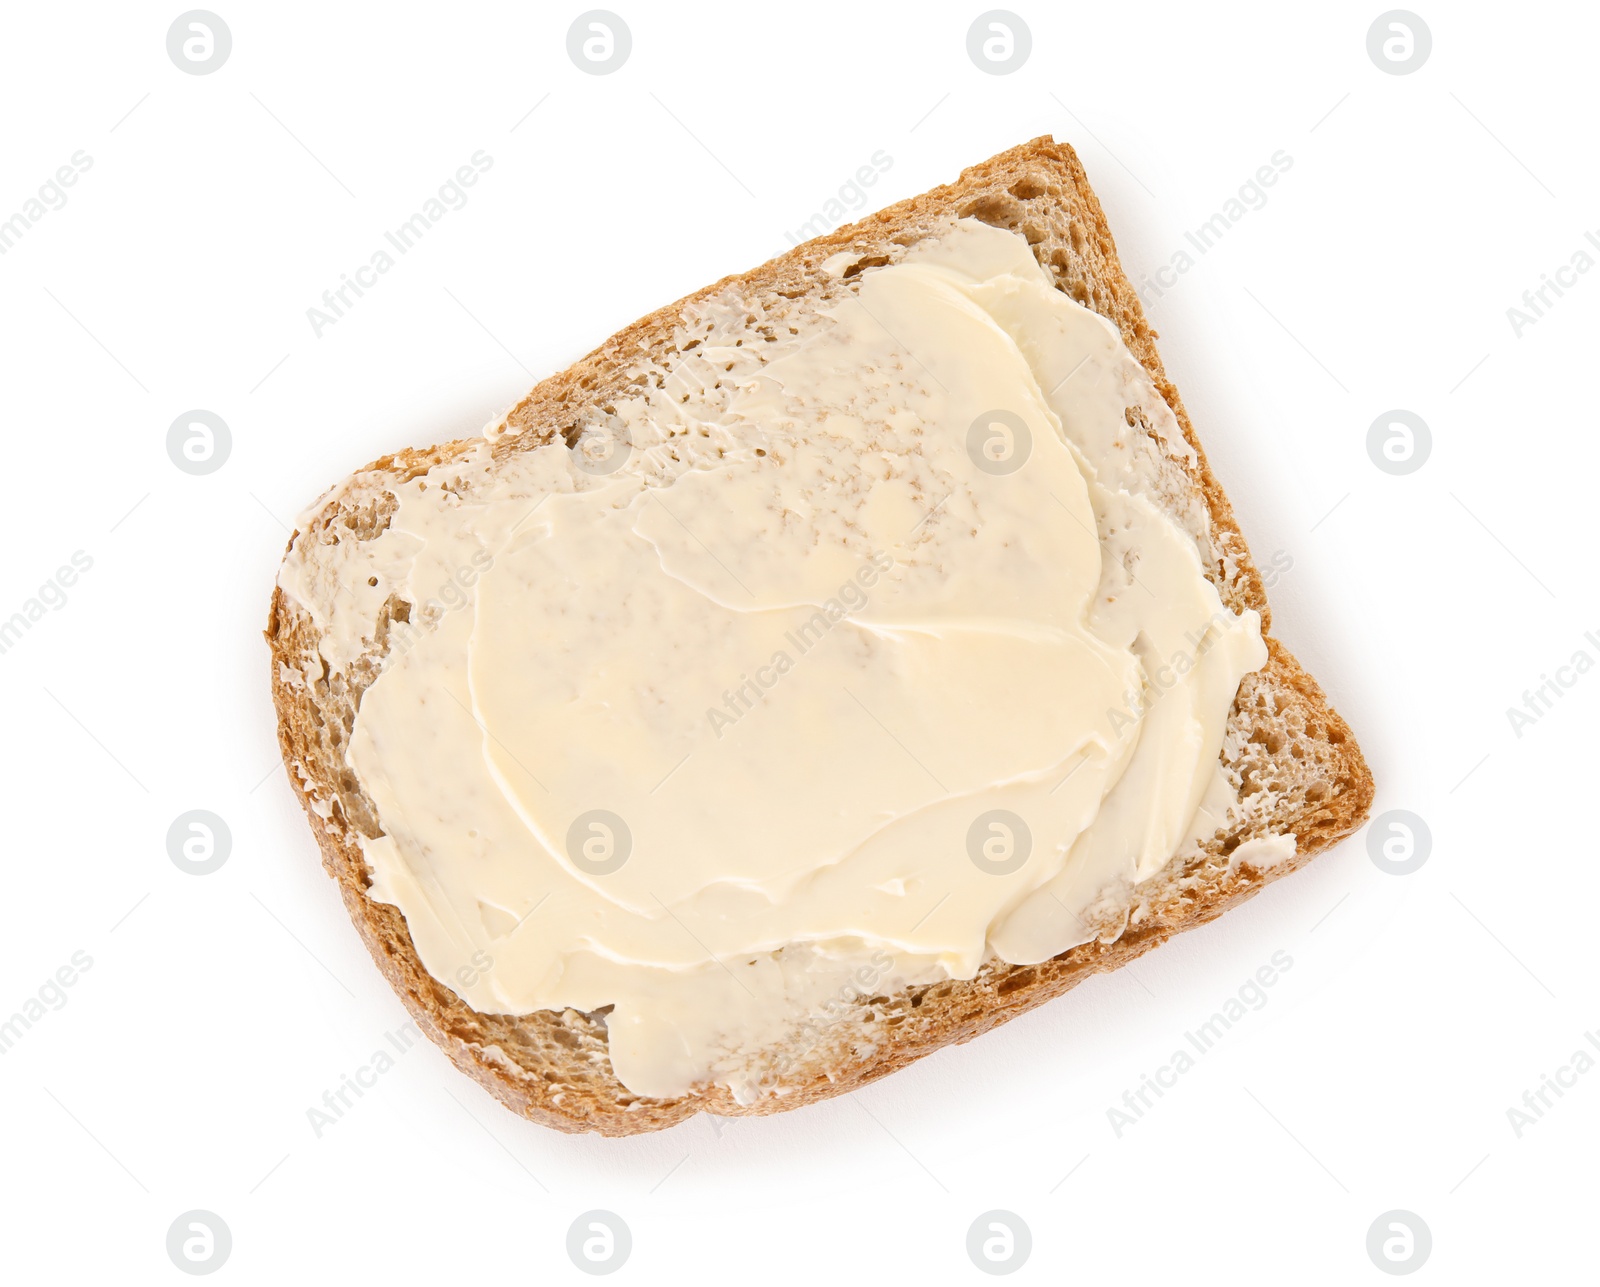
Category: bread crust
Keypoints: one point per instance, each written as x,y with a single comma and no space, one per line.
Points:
1290,752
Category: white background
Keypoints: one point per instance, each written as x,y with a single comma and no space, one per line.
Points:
218,1009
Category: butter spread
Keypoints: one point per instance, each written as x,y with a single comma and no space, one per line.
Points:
853,650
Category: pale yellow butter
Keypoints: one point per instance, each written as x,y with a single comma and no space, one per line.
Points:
817,645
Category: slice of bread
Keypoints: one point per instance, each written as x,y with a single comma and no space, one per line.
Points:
1292,758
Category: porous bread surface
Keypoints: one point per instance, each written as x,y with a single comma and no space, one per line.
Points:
1291,757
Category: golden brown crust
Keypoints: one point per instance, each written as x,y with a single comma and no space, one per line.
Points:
1289,751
